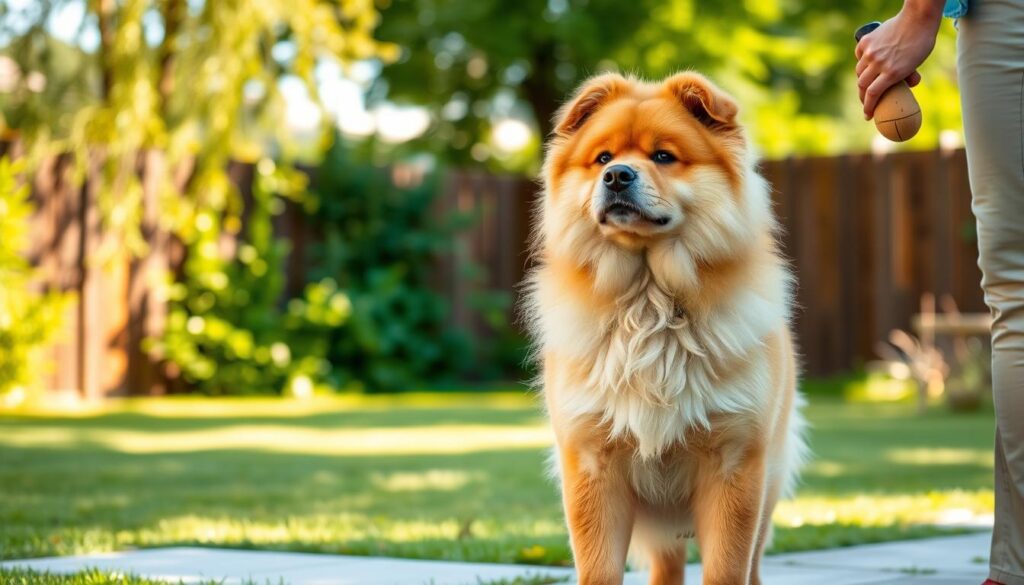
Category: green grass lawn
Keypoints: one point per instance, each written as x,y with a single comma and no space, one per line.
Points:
433,476
97,577
89,577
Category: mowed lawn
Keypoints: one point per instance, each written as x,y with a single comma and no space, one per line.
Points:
446,476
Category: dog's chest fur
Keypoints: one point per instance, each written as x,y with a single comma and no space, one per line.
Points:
653,372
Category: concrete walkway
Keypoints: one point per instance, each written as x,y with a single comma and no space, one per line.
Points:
956,560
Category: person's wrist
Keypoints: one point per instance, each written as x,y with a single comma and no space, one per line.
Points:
926,12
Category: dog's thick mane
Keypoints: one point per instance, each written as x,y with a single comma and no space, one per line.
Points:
658,361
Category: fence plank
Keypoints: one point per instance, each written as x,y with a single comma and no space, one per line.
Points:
90,307
146,306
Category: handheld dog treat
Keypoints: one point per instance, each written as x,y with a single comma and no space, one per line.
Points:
897,115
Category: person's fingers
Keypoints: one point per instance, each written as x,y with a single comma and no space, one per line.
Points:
875,91
867,76
913,79
862,44
864,80
861,66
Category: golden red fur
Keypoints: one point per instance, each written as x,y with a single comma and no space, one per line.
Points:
660,310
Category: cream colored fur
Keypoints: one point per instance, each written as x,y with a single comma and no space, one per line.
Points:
656,372
669,368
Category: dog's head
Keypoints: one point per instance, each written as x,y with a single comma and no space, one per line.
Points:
643,167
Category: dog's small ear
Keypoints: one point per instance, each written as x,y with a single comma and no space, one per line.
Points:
590,97
709,104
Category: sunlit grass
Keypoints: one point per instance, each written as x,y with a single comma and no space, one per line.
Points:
90,577
427,440
882,510
450,476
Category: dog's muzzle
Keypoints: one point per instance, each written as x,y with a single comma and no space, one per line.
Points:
622,208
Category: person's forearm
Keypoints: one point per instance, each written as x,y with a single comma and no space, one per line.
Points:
925,10
894,50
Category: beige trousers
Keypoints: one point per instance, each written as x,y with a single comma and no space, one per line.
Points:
991,72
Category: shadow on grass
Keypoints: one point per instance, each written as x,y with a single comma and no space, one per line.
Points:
334,419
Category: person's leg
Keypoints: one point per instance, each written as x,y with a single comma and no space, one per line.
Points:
991,71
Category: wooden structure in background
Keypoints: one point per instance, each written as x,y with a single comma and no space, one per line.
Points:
867,236
117,297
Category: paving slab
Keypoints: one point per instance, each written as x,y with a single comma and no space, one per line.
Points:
232,567
923,580
952,555
181,563
385,571
951,560
787,575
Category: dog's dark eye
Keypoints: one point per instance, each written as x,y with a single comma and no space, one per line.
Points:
604,158
663,157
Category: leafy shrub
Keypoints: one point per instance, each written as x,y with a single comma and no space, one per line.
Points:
379,241
368,317
226,331
28,319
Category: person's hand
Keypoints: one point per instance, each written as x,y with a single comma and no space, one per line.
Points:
894,50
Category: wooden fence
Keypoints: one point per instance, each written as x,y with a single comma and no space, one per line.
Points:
867,236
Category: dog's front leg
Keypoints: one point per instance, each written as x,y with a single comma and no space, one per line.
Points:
599,507
728,515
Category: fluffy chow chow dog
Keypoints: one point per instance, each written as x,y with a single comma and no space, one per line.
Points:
660,309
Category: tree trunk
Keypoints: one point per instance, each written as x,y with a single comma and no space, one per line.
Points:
105,15
174,12
541,90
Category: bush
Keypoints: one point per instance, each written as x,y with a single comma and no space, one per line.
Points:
367,319
227,331
28,319
379,242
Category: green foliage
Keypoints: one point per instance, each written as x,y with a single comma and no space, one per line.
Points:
197,81
380,242
791,64
369,317
226,331
198,84
28,318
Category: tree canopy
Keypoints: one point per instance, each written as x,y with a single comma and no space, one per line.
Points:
473,62
196,81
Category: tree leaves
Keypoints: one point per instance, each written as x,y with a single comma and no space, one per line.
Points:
172,75
789,63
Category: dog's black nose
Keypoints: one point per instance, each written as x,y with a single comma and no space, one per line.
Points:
619,177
